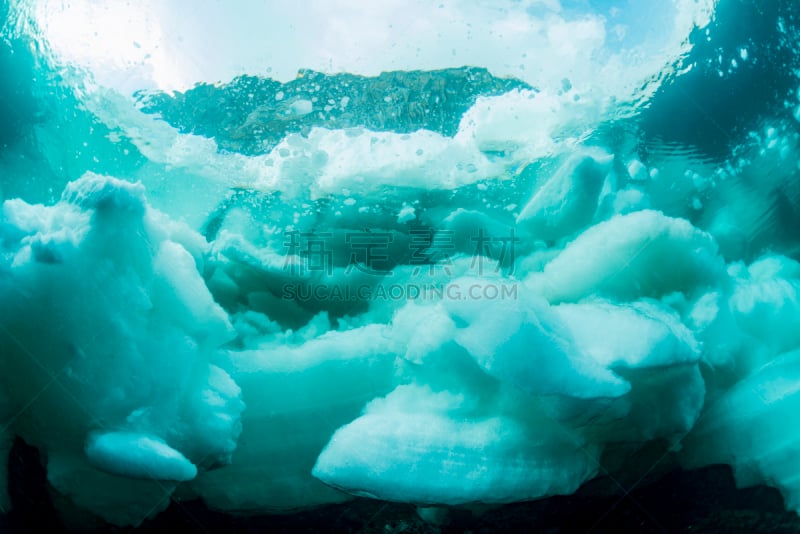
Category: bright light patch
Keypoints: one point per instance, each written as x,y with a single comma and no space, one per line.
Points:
166,45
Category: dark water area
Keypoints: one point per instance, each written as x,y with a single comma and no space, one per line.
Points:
703,500
741,70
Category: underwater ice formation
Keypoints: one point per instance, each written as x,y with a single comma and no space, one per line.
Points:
120,385
494,302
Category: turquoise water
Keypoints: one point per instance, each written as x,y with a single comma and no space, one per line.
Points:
274,258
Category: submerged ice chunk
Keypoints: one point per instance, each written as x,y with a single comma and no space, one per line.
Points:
645,344
523,343
640,254
420,331
747,324
125,354
769,310
502,124
415,446
753,427
297,395
637,171
567,201
633,336
138,456
327,161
